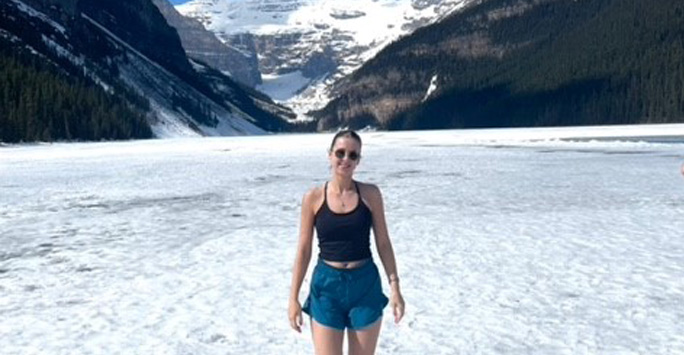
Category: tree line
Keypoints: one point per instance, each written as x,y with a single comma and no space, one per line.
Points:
38,102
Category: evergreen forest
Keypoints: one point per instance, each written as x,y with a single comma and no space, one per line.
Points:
39,102
507,63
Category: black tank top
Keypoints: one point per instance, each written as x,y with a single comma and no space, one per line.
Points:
344,236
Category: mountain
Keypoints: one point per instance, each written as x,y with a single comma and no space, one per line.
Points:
305,46
524,63
203,45
78,66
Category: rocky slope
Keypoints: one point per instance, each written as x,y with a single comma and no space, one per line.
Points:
128,51
203,45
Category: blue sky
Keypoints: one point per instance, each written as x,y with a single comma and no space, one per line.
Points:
176,2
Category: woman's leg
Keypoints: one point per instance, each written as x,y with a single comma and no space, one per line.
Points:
327,341
363,342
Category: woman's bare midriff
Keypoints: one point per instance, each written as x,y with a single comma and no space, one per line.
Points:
346,264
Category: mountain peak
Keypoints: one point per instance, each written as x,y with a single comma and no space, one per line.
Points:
321,40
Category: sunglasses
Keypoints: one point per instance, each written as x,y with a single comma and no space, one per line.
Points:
352,155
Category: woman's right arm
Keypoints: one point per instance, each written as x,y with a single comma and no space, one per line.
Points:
302,258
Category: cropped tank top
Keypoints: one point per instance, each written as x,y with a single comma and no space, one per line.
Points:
343,236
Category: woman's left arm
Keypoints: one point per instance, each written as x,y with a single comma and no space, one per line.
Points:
385,250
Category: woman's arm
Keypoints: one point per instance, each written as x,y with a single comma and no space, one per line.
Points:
385,250
302,258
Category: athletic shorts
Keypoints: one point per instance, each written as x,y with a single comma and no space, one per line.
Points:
345,298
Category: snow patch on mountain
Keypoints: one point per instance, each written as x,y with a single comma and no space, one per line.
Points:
61,51
283,87
431,88
78,61
35,13
9,36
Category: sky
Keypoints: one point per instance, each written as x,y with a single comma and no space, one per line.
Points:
178,2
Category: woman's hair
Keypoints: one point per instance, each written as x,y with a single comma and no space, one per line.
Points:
345,133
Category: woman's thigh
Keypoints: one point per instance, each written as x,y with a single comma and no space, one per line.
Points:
327,341
363,342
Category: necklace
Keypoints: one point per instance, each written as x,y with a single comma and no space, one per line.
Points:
341,198
344,205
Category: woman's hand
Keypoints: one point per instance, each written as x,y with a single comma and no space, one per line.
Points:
397,304
295,314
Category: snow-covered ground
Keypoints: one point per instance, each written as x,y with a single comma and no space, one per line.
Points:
508,241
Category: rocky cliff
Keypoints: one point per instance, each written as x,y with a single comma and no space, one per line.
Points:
203,45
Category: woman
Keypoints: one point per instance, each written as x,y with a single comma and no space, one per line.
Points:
346,292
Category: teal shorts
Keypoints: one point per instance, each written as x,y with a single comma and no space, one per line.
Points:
345,298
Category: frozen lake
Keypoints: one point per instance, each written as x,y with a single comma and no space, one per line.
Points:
507,241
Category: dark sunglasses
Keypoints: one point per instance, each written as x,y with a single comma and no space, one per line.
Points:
352,155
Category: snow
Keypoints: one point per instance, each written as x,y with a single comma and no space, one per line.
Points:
282,87
10,36
34,13
167,124
508,241
431,88
365,20
356,30
61,51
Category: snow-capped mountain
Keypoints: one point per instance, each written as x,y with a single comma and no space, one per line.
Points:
305,46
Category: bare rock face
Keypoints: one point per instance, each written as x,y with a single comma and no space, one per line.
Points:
200,44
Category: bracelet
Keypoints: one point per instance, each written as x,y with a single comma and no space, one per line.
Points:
394,279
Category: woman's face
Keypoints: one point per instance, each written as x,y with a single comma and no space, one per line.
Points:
345,156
